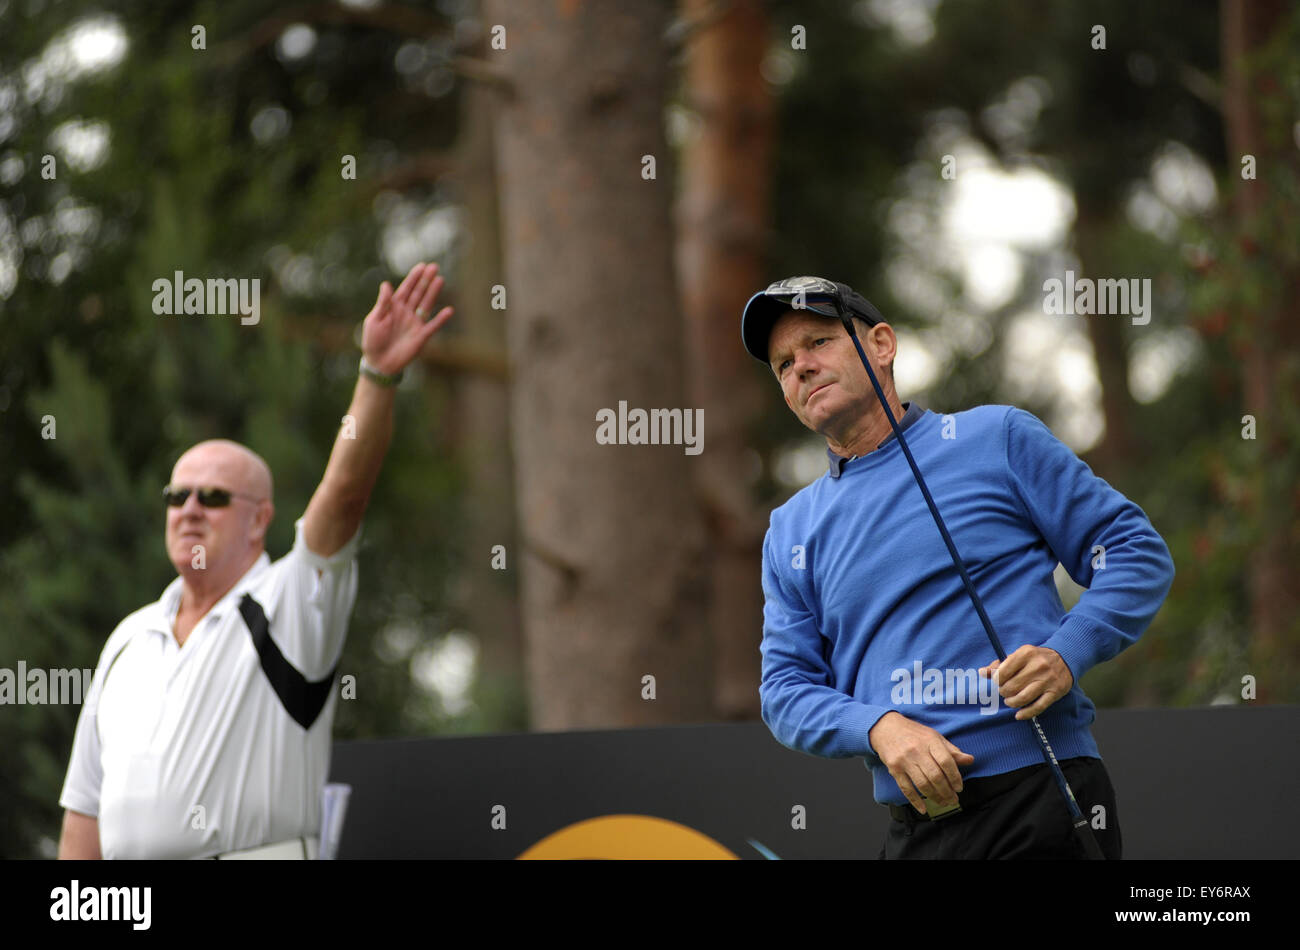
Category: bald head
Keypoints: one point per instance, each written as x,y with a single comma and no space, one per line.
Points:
222,463
213,546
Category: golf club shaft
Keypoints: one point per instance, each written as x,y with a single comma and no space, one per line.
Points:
1082,830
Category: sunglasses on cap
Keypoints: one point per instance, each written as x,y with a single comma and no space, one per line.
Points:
208,497
822,296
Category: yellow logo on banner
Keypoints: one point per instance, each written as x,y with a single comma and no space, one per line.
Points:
627,837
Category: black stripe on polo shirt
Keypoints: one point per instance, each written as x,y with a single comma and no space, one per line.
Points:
301,698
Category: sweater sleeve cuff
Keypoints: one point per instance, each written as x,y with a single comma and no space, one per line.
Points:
856,724
1081,642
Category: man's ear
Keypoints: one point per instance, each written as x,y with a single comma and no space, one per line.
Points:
884,341
262,520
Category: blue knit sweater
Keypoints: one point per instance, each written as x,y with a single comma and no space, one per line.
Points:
866,614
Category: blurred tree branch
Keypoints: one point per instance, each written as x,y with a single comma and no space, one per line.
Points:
1202,86
400,20
391,18
336,335
419,170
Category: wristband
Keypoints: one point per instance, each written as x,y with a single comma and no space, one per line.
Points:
383,379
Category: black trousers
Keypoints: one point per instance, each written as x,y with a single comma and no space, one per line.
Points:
1027,821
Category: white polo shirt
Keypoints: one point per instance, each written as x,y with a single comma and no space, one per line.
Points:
222,743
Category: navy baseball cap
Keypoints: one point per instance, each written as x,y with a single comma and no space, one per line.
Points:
798,293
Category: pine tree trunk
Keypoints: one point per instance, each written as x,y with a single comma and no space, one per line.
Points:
614,565
1120,447
487,596
1268,349
722,223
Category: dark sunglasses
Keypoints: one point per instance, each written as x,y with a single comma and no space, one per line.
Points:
208,497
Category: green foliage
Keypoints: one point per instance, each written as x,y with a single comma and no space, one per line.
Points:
200,178
186,185
857,119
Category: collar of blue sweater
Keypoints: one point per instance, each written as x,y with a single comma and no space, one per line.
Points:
911,412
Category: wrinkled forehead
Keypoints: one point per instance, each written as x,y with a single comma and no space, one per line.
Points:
220,465
793,325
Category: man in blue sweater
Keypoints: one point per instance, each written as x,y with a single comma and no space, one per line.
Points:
871,646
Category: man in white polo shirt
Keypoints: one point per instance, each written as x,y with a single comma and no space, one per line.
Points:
206,731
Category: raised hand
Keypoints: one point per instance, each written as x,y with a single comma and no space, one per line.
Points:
398,326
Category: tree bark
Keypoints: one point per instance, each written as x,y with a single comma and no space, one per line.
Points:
488,596
614,565
1120,448
1266,349
722,225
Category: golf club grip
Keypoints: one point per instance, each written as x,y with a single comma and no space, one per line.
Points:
1082,830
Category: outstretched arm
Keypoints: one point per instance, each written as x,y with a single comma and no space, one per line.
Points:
393,334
